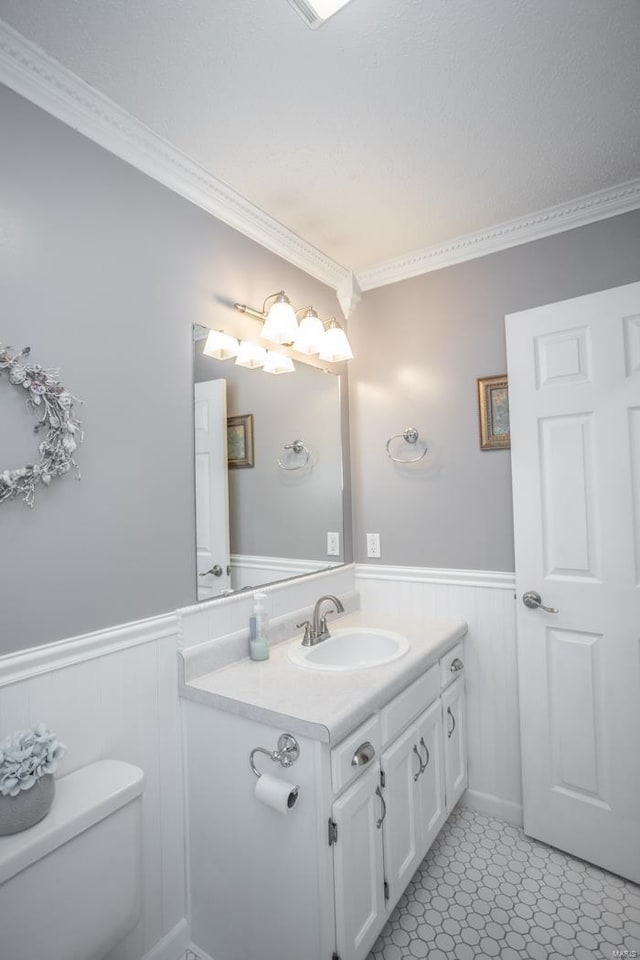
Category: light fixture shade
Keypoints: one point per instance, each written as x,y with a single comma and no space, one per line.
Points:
281,325
221,345
335,346
251,355
310,333
277,363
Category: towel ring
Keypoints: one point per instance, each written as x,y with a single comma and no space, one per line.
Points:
297,447
410,435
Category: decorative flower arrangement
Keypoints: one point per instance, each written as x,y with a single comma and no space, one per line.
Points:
26,757
53,405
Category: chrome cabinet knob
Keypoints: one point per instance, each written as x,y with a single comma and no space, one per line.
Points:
456,665
533,600
216,571
363,755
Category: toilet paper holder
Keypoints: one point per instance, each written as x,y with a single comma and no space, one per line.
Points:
286,752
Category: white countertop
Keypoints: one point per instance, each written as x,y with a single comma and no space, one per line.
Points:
324,705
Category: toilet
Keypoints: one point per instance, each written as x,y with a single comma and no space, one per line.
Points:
70,887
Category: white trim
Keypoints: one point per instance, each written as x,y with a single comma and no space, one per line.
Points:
15,667
279,564
173,944
492,806
458,578
29,71
544,223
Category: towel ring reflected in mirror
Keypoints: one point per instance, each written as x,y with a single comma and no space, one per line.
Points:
298,448
411,436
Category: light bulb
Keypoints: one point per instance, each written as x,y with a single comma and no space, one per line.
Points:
281,325
310,333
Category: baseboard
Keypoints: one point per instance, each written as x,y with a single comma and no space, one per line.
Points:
172,945
493,806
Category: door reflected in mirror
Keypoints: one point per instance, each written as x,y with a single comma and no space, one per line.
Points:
278,511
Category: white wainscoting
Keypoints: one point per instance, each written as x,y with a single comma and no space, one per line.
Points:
114,693
486,601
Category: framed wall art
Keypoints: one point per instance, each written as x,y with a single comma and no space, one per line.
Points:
493,410
240,441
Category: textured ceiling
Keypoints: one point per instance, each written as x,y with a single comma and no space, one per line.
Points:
398,124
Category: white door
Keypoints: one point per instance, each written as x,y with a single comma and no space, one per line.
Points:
401,764
212,494
574,394
431,781
455,742
358,867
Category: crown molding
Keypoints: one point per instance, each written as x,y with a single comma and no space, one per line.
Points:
26,69
535,226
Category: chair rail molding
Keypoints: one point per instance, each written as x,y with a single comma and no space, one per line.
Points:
464,578
26,69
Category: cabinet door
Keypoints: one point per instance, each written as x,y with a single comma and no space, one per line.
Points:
401,833
430,783
455,742
358,867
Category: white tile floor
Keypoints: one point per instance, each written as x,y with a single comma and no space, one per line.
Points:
485,890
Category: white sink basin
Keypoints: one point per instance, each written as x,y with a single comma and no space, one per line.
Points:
354,648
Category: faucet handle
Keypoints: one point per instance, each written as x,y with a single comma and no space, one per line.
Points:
306,640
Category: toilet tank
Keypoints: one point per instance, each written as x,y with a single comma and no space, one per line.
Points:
70,887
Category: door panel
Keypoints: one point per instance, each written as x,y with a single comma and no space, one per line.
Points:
358,867
455,742
431,795
212,497
402,853
574,394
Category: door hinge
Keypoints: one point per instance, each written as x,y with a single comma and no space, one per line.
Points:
333,832
386,889
382,778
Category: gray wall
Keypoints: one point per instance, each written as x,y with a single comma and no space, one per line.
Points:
274,512
102,273
453,509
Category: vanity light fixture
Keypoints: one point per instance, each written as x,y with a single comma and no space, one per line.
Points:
221,345
313,336
335,346
278,363
251,355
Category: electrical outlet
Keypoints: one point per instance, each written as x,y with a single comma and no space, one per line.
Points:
373,545
333,544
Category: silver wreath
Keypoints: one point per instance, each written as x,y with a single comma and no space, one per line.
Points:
48,400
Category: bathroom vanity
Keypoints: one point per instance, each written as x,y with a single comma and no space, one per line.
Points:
382,762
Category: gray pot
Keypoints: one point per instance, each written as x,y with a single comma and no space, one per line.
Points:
28,808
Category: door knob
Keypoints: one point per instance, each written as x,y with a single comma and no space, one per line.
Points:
216,571
533,600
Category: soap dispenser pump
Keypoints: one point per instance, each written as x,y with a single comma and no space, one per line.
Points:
259,629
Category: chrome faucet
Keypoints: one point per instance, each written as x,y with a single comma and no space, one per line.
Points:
318,630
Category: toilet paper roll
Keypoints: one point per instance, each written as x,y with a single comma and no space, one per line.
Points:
277,794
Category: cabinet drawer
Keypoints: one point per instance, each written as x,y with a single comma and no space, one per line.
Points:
355,754
450,667
407,705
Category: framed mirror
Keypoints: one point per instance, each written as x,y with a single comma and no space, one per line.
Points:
268,473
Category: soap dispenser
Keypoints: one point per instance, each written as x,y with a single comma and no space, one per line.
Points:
259,629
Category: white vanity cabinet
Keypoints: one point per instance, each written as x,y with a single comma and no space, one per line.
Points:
319,882
384,824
